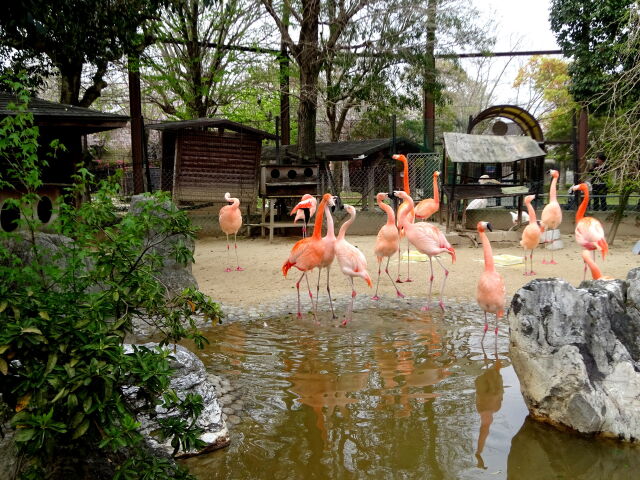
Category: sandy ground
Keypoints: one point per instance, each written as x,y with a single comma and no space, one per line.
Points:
262,280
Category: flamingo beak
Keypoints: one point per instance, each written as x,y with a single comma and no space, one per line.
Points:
489,227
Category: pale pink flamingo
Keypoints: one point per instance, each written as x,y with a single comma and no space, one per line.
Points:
428,239
407,189
551,217
530,234
596,273
387,242
427,207
329,241
352,261
308,253
304,210
589,232
230,220
490,292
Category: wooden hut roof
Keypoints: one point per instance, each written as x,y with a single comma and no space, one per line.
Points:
59,115
204,123
468,148
345,151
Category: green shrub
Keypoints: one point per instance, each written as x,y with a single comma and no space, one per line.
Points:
64,314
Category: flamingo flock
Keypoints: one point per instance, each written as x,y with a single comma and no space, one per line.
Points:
317,251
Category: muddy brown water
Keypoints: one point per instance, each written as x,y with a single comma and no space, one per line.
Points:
395,395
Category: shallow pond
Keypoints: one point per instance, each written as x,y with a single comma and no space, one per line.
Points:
395,395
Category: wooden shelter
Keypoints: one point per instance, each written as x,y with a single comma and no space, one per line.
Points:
55,121
511,153
206,157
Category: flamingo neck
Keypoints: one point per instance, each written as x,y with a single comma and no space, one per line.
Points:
330,227
436,193
317,226
596,273
488,253
345,226
404,213
389,211
583,206
405,178
532,213
553,190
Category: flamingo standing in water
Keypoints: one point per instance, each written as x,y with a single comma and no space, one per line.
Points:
427,239
530,235
589,232
230,220
490,291
404,206
308,253
387,242
551,217
352,261
427,207
304,210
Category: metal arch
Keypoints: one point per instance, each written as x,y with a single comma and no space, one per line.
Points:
520,116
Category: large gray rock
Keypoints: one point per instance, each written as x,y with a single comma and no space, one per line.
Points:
189,376
576,352
174,276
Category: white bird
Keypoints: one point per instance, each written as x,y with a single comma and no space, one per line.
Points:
477,203
514,217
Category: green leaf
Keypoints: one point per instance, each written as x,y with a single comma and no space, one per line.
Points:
44,315
51,362
35,330
3,305
24,434
4,368
60,394
4,348
81,430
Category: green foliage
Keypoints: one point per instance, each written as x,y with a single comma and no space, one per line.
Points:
64,314
593,33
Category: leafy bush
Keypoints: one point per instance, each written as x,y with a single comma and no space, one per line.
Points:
64,314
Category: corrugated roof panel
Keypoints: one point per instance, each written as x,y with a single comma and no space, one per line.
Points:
467,148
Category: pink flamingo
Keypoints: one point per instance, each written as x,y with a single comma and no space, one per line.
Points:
387,242
307,254
589,232
530,234
427,207
352,261
490,291
596,273
427,239
230,220
304,210
551,217
407,189
329,241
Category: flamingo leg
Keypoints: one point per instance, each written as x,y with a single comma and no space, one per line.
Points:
298,289
349,315
228,269
333,314
386,270
531,263
444,281
318,286
408,262
553,262
375,296
235,245
399,263
497,321
313,305
428,305
486,327
525,262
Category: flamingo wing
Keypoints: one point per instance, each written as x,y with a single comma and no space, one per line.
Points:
590,234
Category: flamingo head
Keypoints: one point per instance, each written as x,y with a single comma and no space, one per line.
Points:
227,197
350,210
483,226
529,198
327,197
382,196
400,194
332,201
554,173
436,174
399,157
583,187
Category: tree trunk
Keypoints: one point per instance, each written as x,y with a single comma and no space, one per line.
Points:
70,76
307,112
619,213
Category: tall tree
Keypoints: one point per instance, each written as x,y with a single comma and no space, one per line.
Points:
591,33
71,35
191,69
